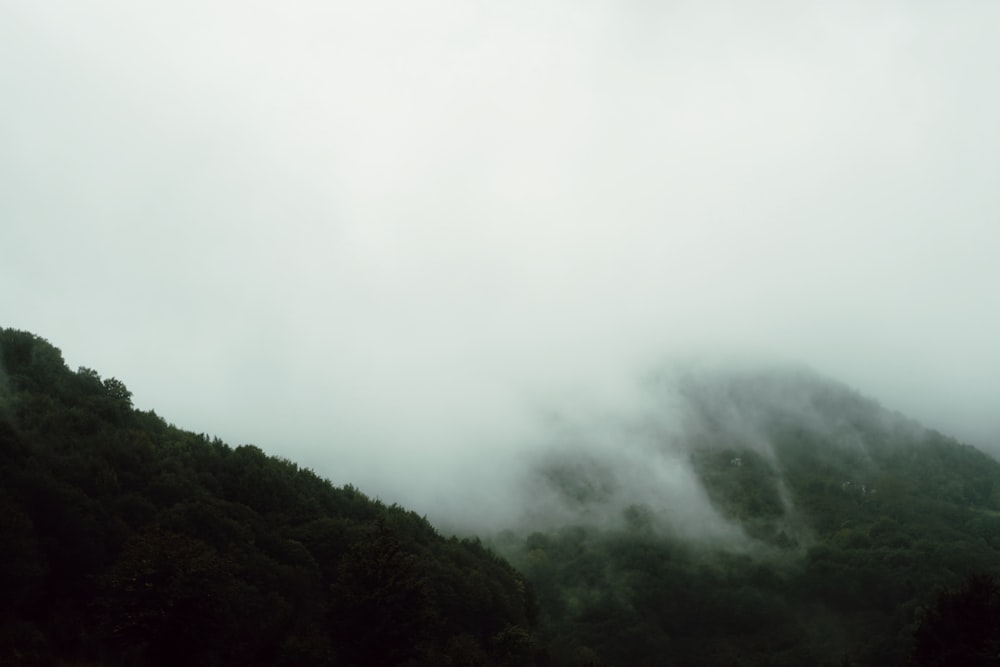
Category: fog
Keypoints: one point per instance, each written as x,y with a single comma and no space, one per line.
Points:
402,243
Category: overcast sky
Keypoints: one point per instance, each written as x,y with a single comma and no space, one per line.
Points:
380,238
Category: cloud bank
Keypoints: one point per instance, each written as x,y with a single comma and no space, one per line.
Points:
381,238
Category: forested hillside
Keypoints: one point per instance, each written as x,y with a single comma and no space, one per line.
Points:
127,541
812,527
849,521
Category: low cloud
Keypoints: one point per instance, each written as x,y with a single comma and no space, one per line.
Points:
382,239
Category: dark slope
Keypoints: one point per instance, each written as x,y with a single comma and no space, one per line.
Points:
127,541
853,519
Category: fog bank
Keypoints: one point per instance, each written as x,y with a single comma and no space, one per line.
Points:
386,239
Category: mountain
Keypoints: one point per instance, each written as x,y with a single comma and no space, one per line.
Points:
813,527
127,541
738,516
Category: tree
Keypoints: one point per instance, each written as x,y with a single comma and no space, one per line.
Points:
961,628
172,599
117,390
381,602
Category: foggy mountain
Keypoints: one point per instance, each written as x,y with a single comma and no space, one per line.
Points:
525,273
739,515
781,422
756,516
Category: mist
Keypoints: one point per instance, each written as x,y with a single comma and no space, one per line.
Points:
396,243
592,467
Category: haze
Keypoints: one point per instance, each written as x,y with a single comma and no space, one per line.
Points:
386,239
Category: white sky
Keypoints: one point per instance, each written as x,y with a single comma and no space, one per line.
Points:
380,237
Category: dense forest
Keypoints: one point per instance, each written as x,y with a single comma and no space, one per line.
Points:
858,538
127,541
862,539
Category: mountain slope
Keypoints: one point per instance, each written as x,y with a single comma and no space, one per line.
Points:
749,517
127,541
824,525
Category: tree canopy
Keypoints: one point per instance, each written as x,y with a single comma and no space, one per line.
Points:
127,541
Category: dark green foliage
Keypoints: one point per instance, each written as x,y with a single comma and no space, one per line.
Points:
741,483
382,605
853,518
961,628
127,541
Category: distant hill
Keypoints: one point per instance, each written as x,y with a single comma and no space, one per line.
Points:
127,541
817,528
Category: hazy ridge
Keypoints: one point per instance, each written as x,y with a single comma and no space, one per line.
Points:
802,523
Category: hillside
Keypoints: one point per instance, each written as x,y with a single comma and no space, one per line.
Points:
820,529
745,517
127,541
